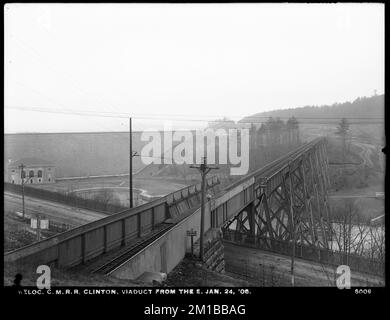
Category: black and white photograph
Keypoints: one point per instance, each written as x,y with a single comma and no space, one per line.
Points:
219,147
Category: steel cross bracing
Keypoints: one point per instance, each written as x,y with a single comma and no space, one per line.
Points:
296,186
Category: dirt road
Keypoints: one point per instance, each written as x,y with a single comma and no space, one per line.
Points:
271,269
365,153
56,211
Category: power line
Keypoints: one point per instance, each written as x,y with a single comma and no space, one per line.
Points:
162,158
168,116
103,114
69,112
53,100
248,119
44,60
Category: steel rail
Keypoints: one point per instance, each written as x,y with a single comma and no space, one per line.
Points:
274,164
123,257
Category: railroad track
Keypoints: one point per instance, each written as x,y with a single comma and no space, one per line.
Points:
112,264
279,163
275,165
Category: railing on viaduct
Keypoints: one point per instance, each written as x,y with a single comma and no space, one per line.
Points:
83,243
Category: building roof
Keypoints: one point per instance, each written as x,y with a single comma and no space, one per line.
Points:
30,162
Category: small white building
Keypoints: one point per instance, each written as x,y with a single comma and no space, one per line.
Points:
36,171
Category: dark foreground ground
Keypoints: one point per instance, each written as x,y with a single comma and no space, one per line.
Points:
262,268
189,274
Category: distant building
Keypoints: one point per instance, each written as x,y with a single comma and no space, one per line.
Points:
36,171
223,123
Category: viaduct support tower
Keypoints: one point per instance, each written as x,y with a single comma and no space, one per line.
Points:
290,205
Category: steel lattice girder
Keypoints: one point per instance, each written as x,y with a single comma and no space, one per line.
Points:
304,181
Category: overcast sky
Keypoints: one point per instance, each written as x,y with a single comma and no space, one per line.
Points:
184,61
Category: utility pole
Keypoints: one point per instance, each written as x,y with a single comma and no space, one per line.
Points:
204,169
131,165
192,233
22,177
39,227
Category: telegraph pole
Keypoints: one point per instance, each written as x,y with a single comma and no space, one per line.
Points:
39,227
131,165
21,175
204,169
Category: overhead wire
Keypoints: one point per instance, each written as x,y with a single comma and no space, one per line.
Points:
89,113
115,114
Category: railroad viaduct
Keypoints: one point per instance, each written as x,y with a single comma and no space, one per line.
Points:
285,200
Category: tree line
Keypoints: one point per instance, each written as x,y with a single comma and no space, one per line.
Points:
276,131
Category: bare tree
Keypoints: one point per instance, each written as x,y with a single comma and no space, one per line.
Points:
106,197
